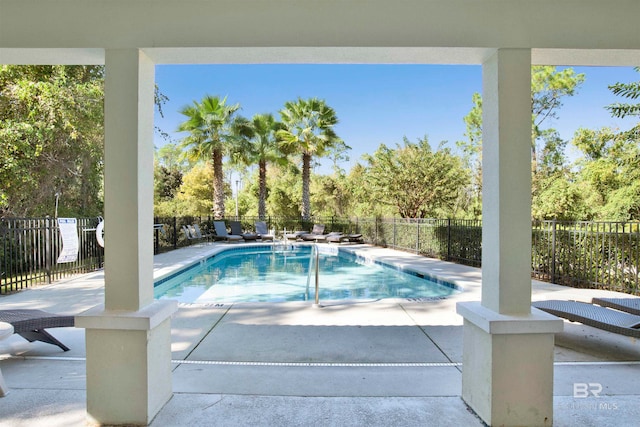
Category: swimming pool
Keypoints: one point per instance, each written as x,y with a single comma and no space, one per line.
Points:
270,274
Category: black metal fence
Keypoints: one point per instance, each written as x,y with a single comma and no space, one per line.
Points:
604,255
169,234
29,249
448,239
601,255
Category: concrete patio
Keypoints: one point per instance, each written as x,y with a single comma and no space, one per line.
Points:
370,363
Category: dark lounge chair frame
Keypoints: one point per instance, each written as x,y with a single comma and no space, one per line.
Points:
236,229
31,324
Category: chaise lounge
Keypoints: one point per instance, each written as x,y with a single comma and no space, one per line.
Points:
261,229
593,315
630,305
221,232
317,233
339,238
236,229
31,324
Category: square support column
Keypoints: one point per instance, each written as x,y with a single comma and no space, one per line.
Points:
507,373
128,338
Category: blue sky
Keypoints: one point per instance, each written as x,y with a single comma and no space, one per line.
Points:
375,103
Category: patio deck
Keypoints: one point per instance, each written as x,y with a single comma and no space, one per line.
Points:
377,363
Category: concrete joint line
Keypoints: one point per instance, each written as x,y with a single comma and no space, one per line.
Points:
322,364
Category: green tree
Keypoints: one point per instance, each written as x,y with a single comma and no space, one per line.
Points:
610,172
210,138
331,195
548,87
169,167
472,149
558,196
361,202
284,197
308,131
257,143
626,90
610,169
51,139
416,180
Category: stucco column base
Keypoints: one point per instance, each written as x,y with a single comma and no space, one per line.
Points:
507,373
128,363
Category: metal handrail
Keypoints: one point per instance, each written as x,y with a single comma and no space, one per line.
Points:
315,255
317,299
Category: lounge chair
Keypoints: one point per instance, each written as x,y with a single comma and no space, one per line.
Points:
630,305
317,233
236,229
6,330
261,229
339,238
197,232
296,235
322,237
31,324
187,233
593,315
221,232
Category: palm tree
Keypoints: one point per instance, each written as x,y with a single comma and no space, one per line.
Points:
308,131
209,125
257,143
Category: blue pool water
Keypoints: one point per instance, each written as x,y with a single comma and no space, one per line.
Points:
262,274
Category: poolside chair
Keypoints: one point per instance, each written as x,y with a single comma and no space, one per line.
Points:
31,324
630,305
296,235
197,232
593,315
317,233
221,232
236,229
322,237
187,233
339,238
261,229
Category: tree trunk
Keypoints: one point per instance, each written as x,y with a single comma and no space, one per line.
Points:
306,172
262,197
218,185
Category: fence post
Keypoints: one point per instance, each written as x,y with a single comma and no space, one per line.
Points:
418,236
175,233
448,239
47,248
553,251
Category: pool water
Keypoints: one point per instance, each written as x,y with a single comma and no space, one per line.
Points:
264,274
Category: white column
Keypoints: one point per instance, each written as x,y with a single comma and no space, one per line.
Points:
508,348
506,182
128,338
128,179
